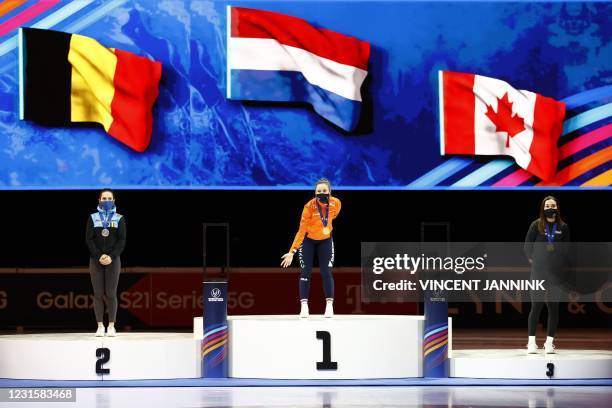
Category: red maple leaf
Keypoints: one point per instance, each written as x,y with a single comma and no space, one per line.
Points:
504,120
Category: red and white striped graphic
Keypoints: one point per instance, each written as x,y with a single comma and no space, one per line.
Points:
276,57
487,116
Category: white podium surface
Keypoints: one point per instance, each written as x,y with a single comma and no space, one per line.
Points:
282,347
72,356
517,364
362,346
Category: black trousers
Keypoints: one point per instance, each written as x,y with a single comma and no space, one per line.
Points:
325,252
553,317
104,280
548,272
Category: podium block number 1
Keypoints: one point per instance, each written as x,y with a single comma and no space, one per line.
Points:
326,364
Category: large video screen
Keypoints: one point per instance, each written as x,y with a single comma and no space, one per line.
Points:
266,133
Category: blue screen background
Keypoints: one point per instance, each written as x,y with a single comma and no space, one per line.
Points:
203,140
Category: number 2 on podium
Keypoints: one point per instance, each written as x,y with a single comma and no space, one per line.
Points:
103,355
326,364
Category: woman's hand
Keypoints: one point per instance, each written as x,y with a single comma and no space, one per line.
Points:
105,260
287,259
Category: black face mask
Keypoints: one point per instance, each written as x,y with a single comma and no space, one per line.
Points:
550,212
324,198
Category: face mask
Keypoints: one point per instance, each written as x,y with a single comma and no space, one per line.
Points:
324,198
107,205
550,212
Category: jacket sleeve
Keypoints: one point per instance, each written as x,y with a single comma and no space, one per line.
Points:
568,249
566,233
530,238
120,244
338,208
299,237
94,252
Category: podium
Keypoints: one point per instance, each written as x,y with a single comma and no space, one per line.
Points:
264,347
81,356
344,347
565,364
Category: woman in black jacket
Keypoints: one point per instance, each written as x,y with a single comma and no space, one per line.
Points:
105,237
545,247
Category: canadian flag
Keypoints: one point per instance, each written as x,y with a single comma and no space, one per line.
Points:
486,116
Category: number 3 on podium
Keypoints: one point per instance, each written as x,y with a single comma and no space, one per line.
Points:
326,364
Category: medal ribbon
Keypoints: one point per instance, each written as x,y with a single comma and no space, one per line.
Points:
106,221
550,233
325,218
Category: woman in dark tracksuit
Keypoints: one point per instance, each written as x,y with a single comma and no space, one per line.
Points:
314,236
105,237
546,249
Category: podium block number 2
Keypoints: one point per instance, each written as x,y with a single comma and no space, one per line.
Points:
103,355
326,364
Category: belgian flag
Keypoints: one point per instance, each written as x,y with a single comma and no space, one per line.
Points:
68,78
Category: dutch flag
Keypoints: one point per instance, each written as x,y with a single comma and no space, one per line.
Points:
275,57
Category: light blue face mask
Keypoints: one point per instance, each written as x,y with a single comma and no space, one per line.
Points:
107,205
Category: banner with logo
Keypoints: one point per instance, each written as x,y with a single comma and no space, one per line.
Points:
215,342
167,299
435,336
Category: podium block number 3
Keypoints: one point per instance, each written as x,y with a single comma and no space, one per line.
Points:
103,355
326,364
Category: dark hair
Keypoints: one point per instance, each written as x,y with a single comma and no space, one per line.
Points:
323,181
104,190
542,219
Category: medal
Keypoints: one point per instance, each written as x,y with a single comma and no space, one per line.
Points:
324,218
106,223
550,237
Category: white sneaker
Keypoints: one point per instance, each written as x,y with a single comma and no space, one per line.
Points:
100,331
549,348
111,332
304,311
329,310
532,348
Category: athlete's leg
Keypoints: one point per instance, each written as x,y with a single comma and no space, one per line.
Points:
534,316
306,257
110,288
553,318
325,252
96,273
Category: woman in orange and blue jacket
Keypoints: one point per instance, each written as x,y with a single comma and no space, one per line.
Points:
315,235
